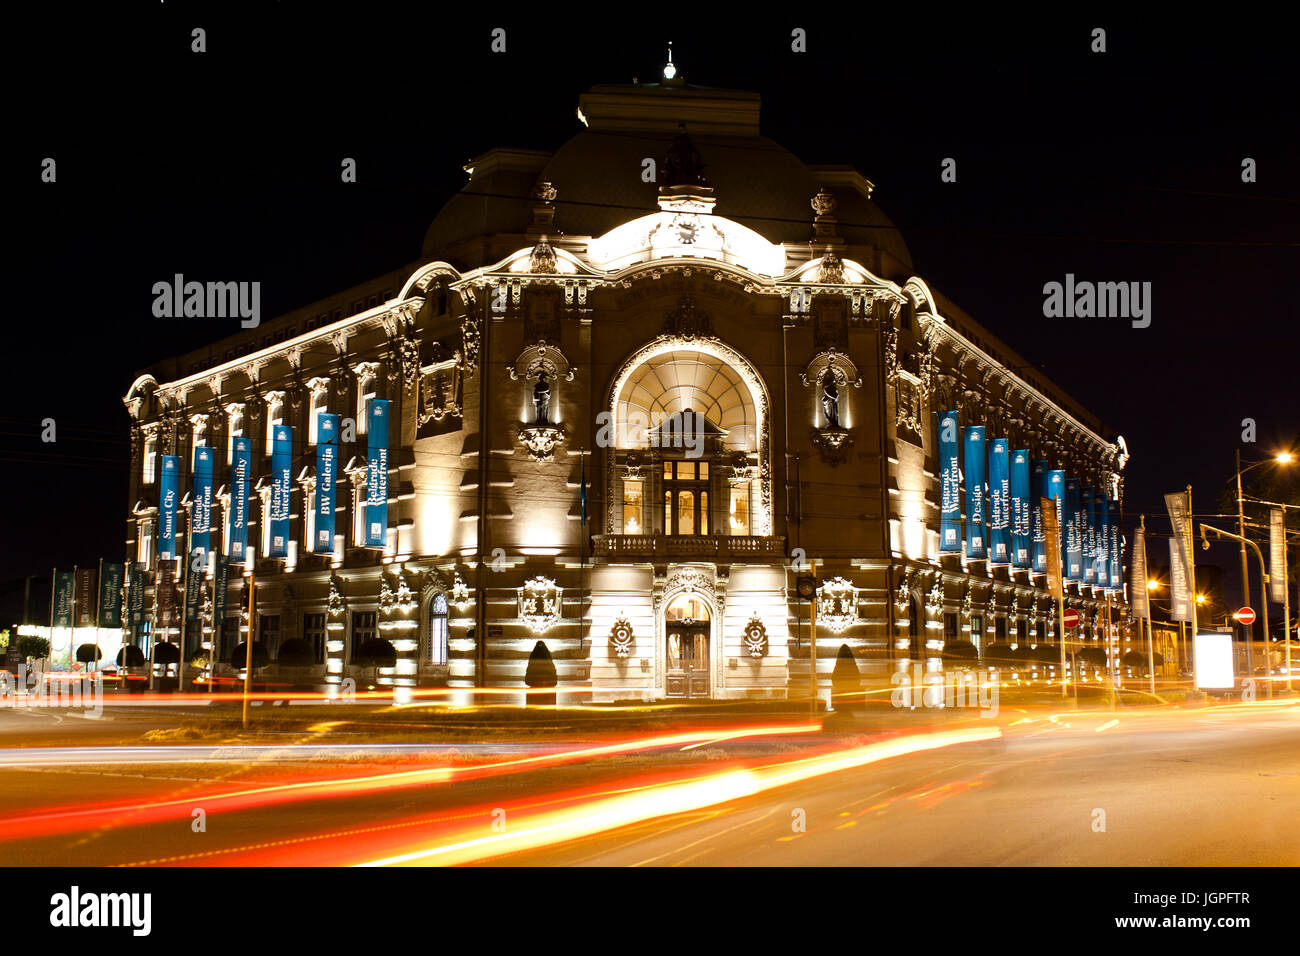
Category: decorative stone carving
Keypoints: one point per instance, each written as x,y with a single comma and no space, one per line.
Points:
823,204
832,444
620,637
935,599
755,636
542,259
837,605
337,603
540,604
687,322
460,595
832,269
471,331
541,440
440,391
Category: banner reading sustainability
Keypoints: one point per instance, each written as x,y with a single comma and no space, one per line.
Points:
241,470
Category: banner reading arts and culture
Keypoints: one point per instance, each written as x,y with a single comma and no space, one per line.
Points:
1021,530
949,484
281,486
976,542
377,475
999,503
327,458
241,470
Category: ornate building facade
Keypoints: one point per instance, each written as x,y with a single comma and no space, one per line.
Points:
636,387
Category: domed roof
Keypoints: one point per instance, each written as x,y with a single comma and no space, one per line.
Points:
598,175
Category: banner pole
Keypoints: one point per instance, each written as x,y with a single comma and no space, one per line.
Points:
1151,651
99,599
1188,535
185,593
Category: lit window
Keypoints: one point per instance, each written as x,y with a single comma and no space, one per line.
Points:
319,403
437,635
274,416
632,513
739,511
144,545
150,459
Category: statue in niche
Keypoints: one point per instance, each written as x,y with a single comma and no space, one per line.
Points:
541,400
683,166
830,399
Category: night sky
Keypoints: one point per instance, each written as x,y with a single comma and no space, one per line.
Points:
1122,166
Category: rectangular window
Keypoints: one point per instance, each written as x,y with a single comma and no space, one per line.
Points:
313,632
685,512
950,626
739,510
977,630
632,514
436,645
363,629
1000,629
144,546
150,460
268,633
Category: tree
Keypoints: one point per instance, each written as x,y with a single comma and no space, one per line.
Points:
89,654
31,647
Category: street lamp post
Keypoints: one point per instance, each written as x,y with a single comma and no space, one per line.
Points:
1263,596
1283,458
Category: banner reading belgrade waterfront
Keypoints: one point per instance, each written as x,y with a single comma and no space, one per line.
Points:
1039,492
377,475
201,513
949,485
281,486
999,503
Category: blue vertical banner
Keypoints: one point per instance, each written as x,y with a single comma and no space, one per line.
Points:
1056,491
168,505
1021,537
1072,540
999,503
241,472
1103,540
976,542
1037,494
201,502
327,466
377,475
949,484
281,485
1116,559
1088,536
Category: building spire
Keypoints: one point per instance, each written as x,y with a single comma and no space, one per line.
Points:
670,71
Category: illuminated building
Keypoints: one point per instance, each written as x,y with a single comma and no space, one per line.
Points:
734,356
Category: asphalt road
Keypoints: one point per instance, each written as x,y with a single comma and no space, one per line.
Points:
1196,787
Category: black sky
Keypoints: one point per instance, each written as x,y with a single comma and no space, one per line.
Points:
1117,166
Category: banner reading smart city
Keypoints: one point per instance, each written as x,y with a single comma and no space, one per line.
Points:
976,543
1088,511
377,475
281,485
201,509
949,485
1073,531
1021,538
999,503
110,594
327,454
241,468
1039,491
168,501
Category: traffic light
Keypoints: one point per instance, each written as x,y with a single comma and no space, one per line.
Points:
805,586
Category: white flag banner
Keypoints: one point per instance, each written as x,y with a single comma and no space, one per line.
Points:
1138,585
1276,555
1180,605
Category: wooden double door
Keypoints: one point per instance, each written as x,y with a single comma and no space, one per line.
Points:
688,659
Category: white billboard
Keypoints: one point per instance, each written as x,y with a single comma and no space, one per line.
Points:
1214,661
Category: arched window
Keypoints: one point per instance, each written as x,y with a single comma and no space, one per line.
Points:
436,631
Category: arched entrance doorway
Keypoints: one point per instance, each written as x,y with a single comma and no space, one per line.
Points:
687,626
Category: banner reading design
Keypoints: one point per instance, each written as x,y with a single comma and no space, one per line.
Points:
1021,532
949,485
281,486
168,503
1039,492
976,543
999,503
241,470
377,475
327,454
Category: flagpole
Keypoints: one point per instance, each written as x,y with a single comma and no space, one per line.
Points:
99,599
1151,651
1191,576
54,592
